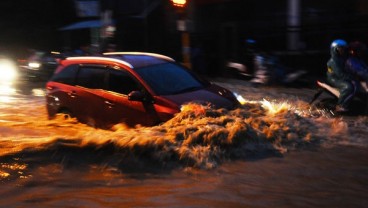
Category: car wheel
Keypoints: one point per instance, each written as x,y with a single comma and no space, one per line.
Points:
66,114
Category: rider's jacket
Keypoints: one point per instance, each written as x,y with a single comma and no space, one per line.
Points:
357,68
336,66
339,78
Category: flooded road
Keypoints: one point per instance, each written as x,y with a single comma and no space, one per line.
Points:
275,151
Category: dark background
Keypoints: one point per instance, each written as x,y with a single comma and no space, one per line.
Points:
219,27
33,24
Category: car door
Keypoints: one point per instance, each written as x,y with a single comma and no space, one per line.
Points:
60,87
120,108
88,93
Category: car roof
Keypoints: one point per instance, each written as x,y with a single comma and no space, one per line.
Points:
139,59
130,59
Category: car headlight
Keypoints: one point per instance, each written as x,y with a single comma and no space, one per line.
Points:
239,98
8,70
34,65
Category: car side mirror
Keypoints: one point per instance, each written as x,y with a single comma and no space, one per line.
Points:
136,96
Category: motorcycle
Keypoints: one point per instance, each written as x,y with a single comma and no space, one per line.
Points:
358,105
267,71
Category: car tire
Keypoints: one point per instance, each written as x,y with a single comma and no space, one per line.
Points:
66,113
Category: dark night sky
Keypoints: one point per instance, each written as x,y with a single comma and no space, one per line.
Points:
33,23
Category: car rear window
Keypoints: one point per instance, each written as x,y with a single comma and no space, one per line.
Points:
66,75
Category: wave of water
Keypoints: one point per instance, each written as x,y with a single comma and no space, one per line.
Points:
199,137
274,144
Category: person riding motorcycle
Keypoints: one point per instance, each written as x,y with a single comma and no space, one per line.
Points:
355,64
338,77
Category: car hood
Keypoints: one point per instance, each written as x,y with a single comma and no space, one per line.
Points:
214,95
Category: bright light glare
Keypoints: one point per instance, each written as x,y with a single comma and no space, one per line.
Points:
8,70
6,90
179,3
34,65
38,92
274,108
5,93
240,98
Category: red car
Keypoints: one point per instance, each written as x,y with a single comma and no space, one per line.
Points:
133,88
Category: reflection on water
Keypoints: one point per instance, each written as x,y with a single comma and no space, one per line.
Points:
266,153
11,93
6,92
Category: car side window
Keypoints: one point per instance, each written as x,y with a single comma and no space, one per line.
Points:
122,82
92,77
67,75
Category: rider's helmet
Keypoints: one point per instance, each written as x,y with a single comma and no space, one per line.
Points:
357,48
339,47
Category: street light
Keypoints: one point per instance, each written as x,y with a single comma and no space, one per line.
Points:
179,3
180,7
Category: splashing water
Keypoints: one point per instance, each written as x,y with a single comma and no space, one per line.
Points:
273,108
198,136
62,161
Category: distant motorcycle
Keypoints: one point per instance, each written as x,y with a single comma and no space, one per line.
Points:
358,106
267,71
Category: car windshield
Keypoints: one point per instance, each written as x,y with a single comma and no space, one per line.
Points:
169,79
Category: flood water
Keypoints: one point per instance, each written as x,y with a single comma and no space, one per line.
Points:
274,151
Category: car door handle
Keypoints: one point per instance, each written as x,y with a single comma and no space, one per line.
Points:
109,104
72,94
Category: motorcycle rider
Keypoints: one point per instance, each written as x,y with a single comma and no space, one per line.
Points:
267,70
355,64
338,77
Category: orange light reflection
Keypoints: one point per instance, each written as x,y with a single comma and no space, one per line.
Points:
6,90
